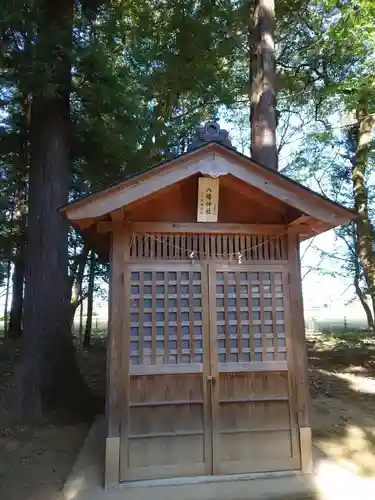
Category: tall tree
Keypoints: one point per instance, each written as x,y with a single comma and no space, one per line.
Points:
90,301
47,371
365,230
263,83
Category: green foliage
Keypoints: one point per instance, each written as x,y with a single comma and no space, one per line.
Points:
146,73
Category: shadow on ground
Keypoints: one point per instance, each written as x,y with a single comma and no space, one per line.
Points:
342,383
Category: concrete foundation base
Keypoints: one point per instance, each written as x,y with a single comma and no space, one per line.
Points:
86,482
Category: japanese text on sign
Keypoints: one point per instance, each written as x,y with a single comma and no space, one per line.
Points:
208,197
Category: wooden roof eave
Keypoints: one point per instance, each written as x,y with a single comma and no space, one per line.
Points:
206,161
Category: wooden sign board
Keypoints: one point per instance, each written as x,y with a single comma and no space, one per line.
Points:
208,199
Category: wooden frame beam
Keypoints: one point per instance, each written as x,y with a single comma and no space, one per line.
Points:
298,331
115,348
303,219
198,227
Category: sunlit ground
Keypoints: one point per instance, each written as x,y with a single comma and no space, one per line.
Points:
348,472
338,482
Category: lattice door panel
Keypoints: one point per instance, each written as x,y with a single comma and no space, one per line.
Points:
254,424
250,323
166,317
166,430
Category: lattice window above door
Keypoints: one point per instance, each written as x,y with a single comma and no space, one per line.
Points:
240,248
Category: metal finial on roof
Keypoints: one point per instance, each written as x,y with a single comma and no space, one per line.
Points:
210,132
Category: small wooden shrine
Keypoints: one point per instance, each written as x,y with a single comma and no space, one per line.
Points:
207,365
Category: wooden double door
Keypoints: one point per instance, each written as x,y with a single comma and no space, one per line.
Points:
207,373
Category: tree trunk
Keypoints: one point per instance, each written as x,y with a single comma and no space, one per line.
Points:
364,230
362,299
7,282
77,278
80,329
47,374
90,302
366,307
262,85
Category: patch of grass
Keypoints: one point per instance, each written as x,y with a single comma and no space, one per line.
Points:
349,338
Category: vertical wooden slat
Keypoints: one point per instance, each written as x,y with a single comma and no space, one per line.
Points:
272,247
170,246
153,357
165,246
219,239
292,382
265,247
141,316
277,248
183,247
227,338
120,360
264,349
213,247
225,246
238,307
260,238
201,247
153,255
146,249
178,328
207,247
236,245
195,247
166,331
191,316
139,246
214,372
243,247
249,255
158,246
115,409
162,246
177,247
131,247
189,245
298,332
152,246
231,246
173,249
135,246
251,326
206,365
169,249
274,318
255,248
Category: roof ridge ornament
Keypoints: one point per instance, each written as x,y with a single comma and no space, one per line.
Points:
210,132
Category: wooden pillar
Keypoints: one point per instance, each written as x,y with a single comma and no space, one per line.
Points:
262,66
114,353
301,378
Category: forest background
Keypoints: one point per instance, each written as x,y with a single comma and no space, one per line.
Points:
92,91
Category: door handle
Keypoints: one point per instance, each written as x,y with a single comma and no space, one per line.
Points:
211,378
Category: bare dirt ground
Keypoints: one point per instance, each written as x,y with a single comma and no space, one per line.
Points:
342,376
35,461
